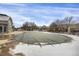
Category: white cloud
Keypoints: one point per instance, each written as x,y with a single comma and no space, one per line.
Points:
13,4
45,14
17,18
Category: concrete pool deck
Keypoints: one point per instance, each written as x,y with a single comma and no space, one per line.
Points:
64,49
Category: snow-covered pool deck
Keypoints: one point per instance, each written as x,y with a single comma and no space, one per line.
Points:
64,49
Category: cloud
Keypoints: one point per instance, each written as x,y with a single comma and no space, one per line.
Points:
17,18
40,14
13,4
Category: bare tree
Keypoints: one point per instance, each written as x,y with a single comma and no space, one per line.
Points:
29,26
53,27
43,28
61,25
68,21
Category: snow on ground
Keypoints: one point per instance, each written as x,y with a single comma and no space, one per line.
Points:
64,49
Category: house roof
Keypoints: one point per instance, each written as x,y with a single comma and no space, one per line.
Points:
4,17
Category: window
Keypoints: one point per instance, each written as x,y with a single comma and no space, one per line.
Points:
5,29
0,29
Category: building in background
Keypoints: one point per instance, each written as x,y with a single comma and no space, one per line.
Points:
6,24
